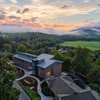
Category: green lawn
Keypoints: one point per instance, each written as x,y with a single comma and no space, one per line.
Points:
32,93
92,45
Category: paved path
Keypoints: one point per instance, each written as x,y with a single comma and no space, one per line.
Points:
27,74
23,95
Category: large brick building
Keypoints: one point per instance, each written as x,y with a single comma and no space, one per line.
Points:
43,65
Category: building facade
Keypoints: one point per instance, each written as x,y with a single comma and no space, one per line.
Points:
43,65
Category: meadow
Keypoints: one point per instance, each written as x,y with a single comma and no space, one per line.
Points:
92,45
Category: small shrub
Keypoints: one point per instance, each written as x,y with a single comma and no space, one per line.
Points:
96,87
45,89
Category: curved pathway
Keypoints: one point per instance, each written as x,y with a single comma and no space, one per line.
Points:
27,74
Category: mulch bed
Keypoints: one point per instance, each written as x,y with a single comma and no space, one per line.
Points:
40,78
20,73
30,85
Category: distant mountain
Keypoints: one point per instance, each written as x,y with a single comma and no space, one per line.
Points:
89,31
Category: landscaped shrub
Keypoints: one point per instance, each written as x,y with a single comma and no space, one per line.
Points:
96,87
43,84
45,89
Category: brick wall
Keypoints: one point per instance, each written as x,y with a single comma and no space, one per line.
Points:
46,73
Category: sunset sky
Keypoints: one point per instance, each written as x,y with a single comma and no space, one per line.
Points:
50,16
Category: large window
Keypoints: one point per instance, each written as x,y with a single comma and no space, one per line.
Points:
52,70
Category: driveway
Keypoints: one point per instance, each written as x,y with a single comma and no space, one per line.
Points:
23,95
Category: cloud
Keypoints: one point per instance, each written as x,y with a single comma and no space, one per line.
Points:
18,11
14,28
25,10
56,26
88,20
93,24
13,1
34,19
86,0
2,17
14,17
2,0
18,25
65,7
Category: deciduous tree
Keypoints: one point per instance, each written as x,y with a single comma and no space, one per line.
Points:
82,60
22,48
7,76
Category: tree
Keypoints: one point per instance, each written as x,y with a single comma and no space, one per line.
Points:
67,63
7,76
46,49
94,75
97,62
58,46
22,48
58,56
30,51
7,47
82,60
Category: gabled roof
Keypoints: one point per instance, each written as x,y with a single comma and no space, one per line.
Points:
65,88
80,96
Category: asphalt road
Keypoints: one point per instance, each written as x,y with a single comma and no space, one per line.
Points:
23,95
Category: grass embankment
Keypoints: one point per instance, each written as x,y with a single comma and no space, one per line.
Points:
92,45
33,94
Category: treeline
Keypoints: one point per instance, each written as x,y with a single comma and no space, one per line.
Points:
80,37
38,41
32,40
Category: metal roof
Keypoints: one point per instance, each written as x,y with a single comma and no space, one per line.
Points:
48,59
23,57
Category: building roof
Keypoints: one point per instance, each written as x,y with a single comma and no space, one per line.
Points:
25,56
47,59
48,63
80,96
65,88
45,56
5,53
30,55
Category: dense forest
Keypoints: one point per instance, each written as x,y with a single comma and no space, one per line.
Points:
38,41
32,41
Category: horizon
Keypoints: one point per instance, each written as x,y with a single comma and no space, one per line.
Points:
52,17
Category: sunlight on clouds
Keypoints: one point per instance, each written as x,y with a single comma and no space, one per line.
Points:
13,1
86,0
2,0
31,14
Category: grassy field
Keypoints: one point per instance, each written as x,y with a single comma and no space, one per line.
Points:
92,45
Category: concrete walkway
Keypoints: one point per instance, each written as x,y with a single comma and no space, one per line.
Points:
27,74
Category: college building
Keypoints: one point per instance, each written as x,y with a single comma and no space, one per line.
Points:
43,65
